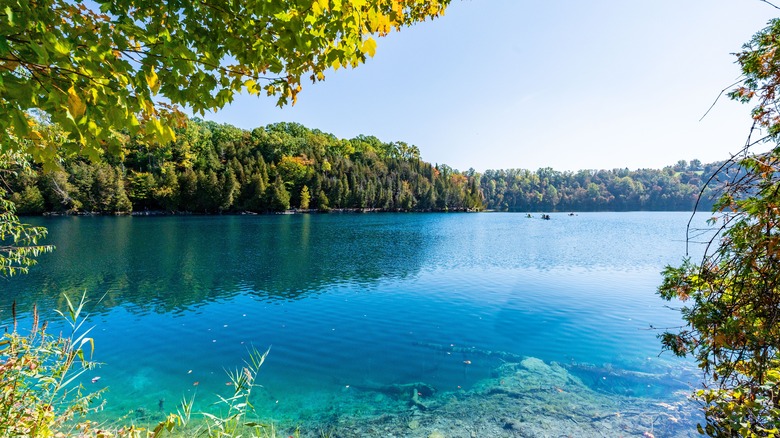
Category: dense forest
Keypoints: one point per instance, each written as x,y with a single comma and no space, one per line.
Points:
215,168
671,188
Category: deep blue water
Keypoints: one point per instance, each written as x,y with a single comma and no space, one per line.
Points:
354,299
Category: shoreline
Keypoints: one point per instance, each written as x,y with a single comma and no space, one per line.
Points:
333,211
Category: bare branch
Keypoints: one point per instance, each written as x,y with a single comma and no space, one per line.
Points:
718,98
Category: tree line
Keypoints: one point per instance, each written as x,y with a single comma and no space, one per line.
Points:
217,168
672,188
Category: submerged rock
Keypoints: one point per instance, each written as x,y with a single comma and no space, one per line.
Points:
535,365
527,398
512,424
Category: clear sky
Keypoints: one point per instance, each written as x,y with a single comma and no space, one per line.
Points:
568,84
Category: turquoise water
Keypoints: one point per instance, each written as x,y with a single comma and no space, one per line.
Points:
350,302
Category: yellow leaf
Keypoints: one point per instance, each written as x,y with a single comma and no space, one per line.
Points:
147,106
324,4
76,106
251,86
369,47
383,25
93,128
168,135
61,48
372,20
156,129
152,80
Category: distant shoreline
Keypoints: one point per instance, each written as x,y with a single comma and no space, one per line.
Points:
246,213
331,211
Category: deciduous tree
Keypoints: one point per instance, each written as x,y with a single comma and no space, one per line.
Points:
124,67
732,297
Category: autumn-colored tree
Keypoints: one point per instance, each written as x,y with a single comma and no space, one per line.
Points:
732,297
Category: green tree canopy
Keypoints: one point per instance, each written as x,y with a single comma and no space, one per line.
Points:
125,68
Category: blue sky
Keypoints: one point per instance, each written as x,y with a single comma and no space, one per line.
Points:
596,84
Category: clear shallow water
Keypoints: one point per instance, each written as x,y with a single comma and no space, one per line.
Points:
358,300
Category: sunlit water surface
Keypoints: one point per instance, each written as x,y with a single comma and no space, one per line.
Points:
347,300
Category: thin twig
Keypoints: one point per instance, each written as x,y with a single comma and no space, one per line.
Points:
718,98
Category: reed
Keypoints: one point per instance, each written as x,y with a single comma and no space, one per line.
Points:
41,394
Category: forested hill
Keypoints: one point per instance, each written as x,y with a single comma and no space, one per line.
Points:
213,168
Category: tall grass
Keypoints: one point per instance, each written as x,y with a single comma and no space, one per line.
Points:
41,397
38,371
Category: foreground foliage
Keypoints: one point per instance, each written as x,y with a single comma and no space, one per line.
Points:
732,297
106,70
18,242
41,394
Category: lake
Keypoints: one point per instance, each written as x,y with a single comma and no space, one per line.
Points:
520,326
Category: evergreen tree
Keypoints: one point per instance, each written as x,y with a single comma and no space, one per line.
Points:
322,201
305,198
278,196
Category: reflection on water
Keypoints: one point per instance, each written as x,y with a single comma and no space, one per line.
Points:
163,264
355,303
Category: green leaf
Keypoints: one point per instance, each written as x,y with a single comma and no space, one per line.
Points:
4,47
